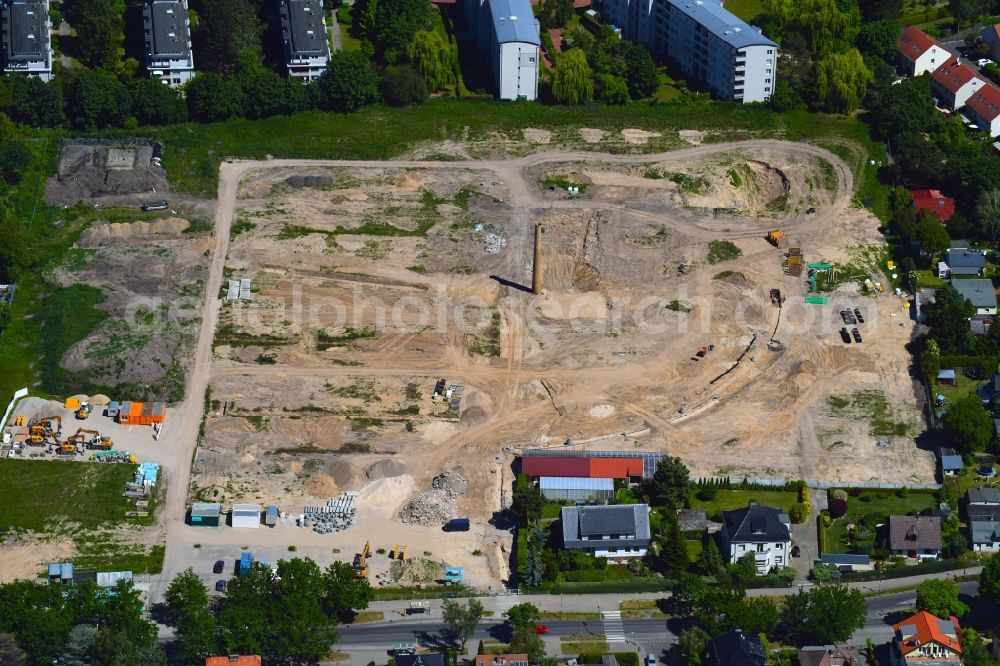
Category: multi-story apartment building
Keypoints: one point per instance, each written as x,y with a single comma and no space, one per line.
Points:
707,42
303,29
27,46
168,41
507,33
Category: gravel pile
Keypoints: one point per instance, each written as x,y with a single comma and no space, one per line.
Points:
438,505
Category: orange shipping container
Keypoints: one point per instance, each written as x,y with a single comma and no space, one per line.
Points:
142,413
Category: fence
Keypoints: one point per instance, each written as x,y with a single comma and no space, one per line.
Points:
935,566
20,393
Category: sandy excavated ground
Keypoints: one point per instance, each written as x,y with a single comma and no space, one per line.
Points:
322,382
152,275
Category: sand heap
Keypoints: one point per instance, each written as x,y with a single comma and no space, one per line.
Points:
437,505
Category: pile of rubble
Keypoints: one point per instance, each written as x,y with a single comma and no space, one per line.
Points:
298,182
493,241
438,505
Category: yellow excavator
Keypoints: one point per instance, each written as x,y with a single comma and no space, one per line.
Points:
52,424
67,448
36,435
90,439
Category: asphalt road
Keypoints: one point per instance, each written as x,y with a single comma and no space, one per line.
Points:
651,634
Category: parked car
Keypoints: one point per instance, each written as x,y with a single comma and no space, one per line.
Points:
220,586
219,566
155,205
650,660
857,336
796,551
845,336
541,629
456,525
982,62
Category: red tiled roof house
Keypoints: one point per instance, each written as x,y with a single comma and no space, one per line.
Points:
954,82
943,207
926,639
983,109
919,52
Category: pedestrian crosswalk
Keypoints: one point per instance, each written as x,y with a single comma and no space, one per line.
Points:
614,631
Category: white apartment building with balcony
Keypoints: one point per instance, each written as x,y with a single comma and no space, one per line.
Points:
27,45
168,41
303,29
712,46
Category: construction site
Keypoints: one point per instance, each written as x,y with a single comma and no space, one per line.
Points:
401,330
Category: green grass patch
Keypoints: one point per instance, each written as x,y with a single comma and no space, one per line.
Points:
568,615
109,554
65,317
550,510
584,647
748,10
926,278
726,500
61,496
678,306
963,387
722,275
719,251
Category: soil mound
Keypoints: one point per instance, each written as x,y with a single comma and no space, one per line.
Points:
385,469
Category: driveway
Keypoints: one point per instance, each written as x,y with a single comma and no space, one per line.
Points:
805,537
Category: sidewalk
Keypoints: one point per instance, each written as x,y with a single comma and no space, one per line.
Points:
593,603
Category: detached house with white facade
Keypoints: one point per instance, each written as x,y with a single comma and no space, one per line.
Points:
616,531
761,530
915,537
168,41
27,46
303,31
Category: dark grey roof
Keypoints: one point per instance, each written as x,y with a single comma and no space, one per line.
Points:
166,26
734,648
719,21
980,292
693,519
985,531
514,21
612,520
755,523
302,27
980,324
982,512
964,258
914,533
26,36
986,495
845,558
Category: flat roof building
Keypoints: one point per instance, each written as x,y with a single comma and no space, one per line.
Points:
27,46
712,46
303,30
205,514
246,515
507,34
167,32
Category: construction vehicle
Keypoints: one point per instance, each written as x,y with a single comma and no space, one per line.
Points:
361,561
777,238
48,422
83,412
19,421
36,435
91,439
68,448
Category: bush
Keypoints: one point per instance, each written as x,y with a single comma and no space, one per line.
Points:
403,86
838,507
838,493
798,513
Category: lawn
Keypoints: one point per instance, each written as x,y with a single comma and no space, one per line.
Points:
348,41
747,10
963,387
737,499
40,495
882,502
194,151
926,278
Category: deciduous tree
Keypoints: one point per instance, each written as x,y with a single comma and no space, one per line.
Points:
988,214
15,159
571,79
968,424
462,620
402,86
825,614
194,626
940,597
349,83
989,580
345,592
225,27
842,80
434,58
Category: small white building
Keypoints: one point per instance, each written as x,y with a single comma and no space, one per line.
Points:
303,29
246,515
919,52
168,41
507,33
761,530
27,46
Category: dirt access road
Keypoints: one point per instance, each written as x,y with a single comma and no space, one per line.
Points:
525,197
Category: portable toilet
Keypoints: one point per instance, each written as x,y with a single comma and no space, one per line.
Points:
113,409
66,572
54,572
246,561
